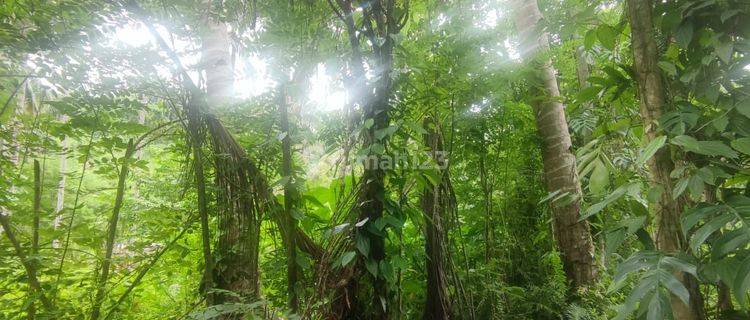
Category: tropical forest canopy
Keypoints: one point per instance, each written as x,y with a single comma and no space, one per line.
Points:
374,159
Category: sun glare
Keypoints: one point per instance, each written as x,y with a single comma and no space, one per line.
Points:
132,35
323,94
252,74
253,78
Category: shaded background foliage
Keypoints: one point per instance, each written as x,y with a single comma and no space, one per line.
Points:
74,92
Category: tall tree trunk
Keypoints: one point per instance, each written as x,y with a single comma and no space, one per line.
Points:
111,232
435,202
666,210
139,153
231,161
60,203
724,303
37,208
238,211
196,140
573,237
69,226
35,227
289,200
381,22
582,67
488,223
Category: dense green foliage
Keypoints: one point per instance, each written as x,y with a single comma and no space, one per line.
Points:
91,97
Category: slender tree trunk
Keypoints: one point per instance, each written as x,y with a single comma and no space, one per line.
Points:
488,223
435,203
60,203
37,208
139,153
200,188
667,211
111,233
69,227
573,237
289,200
582,67
35,228
724,304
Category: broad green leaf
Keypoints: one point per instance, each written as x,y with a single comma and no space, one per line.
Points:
607,36
589,93
706,174
744,107
679,264
701,235
693,216
741,283
363,244
650,150
716,148
347,257
709,148
686,142
599,178
612,197
679,187
724,51
670,20
668,67
741,204
371,266
589,39
369,123
696,186
636,262
684,34
729,242
613,240
644,287
386,270
742,145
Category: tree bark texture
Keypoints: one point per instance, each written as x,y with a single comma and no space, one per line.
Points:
238,167
289,200
236,265
381,23
667,211
573,237
436,202
60,203
31,311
